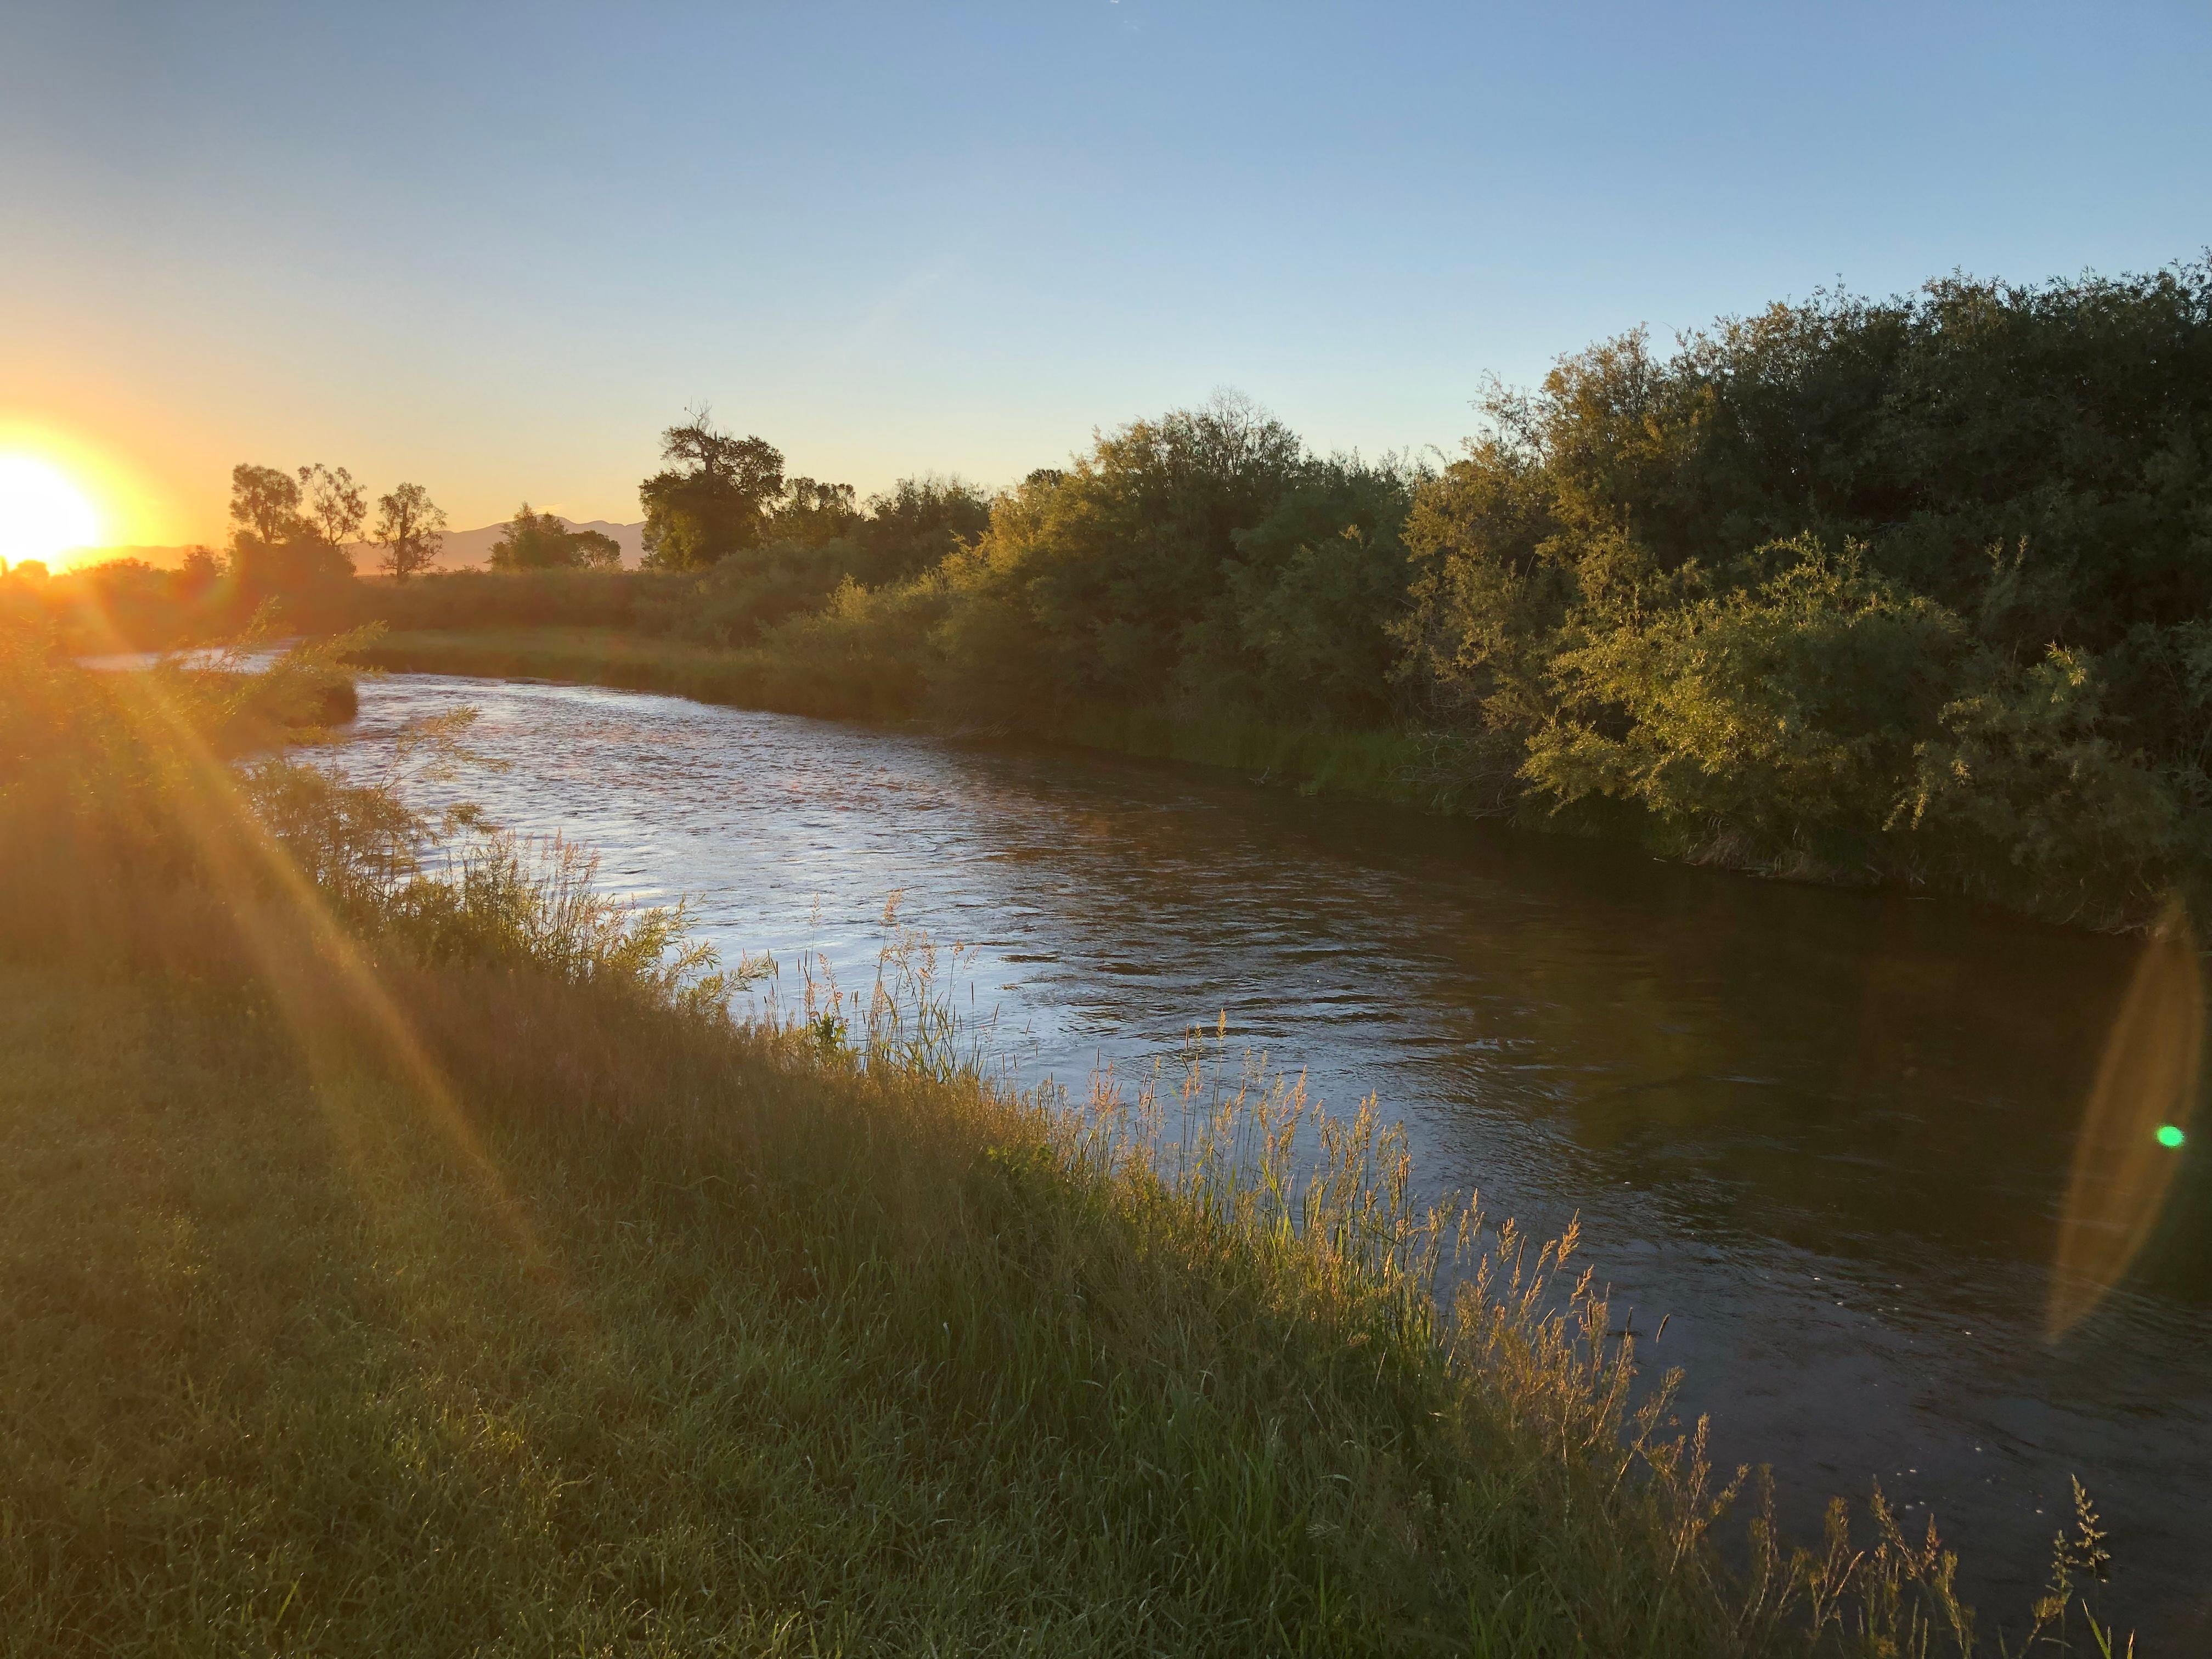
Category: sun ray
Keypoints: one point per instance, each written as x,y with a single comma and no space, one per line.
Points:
244,858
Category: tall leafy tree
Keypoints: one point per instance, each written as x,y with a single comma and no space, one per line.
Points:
335,505
917,523
276,547
264,503
198,574
1085,587
409,528
542,541
711,497
813,513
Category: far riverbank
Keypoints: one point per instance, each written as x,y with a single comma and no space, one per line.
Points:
1413,771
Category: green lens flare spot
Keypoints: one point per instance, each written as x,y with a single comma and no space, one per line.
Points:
2170,1137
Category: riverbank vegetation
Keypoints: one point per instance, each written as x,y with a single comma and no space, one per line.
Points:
407,1252
1913,590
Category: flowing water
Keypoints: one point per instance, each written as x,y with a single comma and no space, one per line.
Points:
1825,1133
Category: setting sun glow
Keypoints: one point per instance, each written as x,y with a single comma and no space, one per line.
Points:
42,514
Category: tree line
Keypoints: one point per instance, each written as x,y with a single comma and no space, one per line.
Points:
1917,587
1913,588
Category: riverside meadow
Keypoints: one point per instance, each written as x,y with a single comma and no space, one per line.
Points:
417,1255
410,1247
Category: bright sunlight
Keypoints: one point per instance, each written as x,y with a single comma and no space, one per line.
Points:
42,514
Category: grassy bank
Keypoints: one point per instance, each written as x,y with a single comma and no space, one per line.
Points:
303,1357
401,1261
298,1360
1428,771
1400,767
583,656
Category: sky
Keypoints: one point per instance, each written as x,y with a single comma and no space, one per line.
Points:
494,250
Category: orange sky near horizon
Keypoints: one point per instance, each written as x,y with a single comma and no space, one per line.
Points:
155,486
160,478
134,498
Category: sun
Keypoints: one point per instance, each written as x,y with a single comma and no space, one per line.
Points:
42,514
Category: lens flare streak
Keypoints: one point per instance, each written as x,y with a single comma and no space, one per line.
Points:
2140,1109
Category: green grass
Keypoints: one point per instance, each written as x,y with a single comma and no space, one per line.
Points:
589,656
393,1263
800,1358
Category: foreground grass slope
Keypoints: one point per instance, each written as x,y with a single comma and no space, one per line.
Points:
399,1261
290,1363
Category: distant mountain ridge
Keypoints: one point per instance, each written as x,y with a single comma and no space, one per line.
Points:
463,550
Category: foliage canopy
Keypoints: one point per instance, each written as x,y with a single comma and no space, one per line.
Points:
544,541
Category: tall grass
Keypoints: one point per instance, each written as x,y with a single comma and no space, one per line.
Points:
401,1254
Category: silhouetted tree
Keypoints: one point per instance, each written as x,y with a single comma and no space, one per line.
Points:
264,503
542,541
410,528
334,503
198,574
711,498
812,514
275,548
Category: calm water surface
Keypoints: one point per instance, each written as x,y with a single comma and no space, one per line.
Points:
1826,1132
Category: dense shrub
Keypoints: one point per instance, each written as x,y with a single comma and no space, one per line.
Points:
1979,659
917,524
1197,560
1787,701
734,601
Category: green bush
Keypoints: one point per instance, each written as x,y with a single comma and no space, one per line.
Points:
1998,686
557,597
1790,702
1201,564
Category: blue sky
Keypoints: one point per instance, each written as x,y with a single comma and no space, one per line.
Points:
495,249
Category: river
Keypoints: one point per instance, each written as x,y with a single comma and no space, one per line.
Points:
1825,1133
